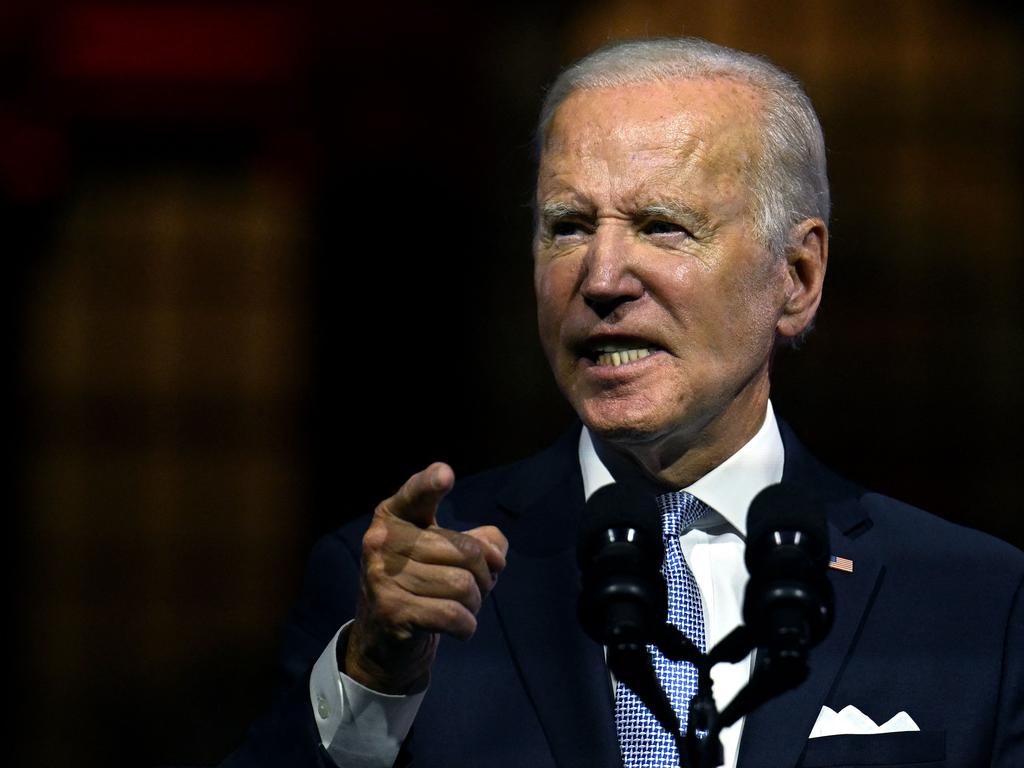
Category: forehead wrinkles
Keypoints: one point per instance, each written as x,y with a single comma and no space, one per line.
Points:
699,153
581,132
617,155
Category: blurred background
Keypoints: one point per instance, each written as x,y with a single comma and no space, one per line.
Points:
266,259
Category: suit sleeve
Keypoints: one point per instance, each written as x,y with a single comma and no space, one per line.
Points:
1008,748
288,734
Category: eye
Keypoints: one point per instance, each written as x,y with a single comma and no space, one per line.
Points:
659,227
567,228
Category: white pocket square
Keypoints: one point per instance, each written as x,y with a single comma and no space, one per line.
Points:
851,721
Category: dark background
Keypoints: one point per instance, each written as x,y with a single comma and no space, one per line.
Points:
265,260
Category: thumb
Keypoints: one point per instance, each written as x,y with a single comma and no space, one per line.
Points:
416,501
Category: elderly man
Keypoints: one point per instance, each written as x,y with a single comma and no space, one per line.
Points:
682,208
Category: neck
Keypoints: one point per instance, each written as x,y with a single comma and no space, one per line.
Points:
683,456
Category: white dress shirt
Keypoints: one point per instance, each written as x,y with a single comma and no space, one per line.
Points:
365,729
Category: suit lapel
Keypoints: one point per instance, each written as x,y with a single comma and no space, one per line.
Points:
562,669
776,733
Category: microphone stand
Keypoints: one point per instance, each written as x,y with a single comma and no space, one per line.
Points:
775,671
631,663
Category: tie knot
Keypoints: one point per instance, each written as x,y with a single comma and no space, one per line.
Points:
679,511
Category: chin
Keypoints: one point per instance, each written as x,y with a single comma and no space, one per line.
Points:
622,425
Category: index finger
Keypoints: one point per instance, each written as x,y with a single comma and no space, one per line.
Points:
416,501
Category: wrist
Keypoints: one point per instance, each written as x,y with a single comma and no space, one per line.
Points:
386,665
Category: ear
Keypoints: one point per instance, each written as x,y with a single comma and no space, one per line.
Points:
806,259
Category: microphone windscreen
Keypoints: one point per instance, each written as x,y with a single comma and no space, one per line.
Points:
788,600
787,507
620,506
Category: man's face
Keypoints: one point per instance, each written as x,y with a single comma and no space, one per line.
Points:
657,306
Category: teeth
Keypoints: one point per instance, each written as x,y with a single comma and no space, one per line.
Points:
622,356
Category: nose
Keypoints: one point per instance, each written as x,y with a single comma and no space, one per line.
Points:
609,275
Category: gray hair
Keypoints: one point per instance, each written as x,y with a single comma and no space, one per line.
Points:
788,179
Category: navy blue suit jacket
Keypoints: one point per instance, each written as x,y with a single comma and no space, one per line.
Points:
931,622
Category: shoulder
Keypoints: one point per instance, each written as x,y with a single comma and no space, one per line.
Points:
907,533
916,544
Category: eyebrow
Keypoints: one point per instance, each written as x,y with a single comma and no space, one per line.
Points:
554,211
557,210
675,210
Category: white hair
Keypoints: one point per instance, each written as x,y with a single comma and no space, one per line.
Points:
788,179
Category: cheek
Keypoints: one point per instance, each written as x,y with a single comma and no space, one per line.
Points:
687,297
759,300
553,287
682,273
549,310
731,305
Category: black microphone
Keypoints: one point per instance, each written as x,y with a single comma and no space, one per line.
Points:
789,601
623,601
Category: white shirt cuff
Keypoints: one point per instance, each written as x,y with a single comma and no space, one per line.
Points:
359,727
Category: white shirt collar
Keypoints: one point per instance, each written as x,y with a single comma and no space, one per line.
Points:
728,488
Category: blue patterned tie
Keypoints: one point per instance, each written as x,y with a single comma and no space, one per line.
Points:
644,743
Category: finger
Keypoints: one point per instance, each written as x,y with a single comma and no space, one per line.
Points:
396,544
441,546
416,501
495,549
430,614
441,581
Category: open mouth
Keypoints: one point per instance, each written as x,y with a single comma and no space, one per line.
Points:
623,356
614,353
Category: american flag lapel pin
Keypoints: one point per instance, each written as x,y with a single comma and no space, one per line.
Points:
843,564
